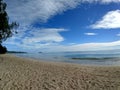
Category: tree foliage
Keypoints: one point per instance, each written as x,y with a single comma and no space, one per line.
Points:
3,50
6,29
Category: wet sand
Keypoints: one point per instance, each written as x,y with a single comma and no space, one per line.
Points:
27,74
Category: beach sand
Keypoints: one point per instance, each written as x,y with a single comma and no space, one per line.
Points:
27,74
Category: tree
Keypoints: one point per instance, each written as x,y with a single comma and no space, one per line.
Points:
6,29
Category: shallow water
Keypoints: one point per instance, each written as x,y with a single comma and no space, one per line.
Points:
85,58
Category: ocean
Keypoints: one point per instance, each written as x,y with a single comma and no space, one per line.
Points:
107,58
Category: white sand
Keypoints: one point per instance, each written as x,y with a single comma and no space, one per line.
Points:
23,74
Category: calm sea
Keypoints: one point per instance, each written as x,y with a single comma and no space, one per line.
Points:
85,58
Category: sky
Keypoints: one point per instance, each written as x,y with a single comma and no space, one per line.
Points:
64,25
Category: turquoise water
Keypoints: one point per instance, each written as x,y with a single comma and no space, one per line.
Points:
85,58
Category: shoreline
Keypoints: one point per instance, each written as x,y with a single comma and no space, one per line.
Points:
76,61
28,74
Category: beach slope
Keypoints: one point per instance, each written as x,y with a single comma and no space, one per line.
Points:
24,74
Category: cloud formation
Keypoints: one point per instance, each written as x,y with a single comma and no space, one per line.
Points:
55,47
28,11
118,34
102,1
44,35
90,34
37,37
86,46
109,21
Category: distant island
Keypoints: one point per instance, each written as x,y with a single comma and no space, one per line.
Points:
16,52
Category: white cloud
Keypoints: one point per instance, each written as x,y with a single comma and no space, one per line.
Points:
90,34
31,10
86,46
101,1
118,34
28,11
48,35
53,47
109,1
109,21
37,38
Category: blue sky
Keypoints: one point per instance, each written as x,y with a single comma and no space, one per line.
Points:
62,25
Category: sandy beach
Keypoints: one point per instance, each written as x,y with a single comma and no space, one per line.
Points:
27,74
